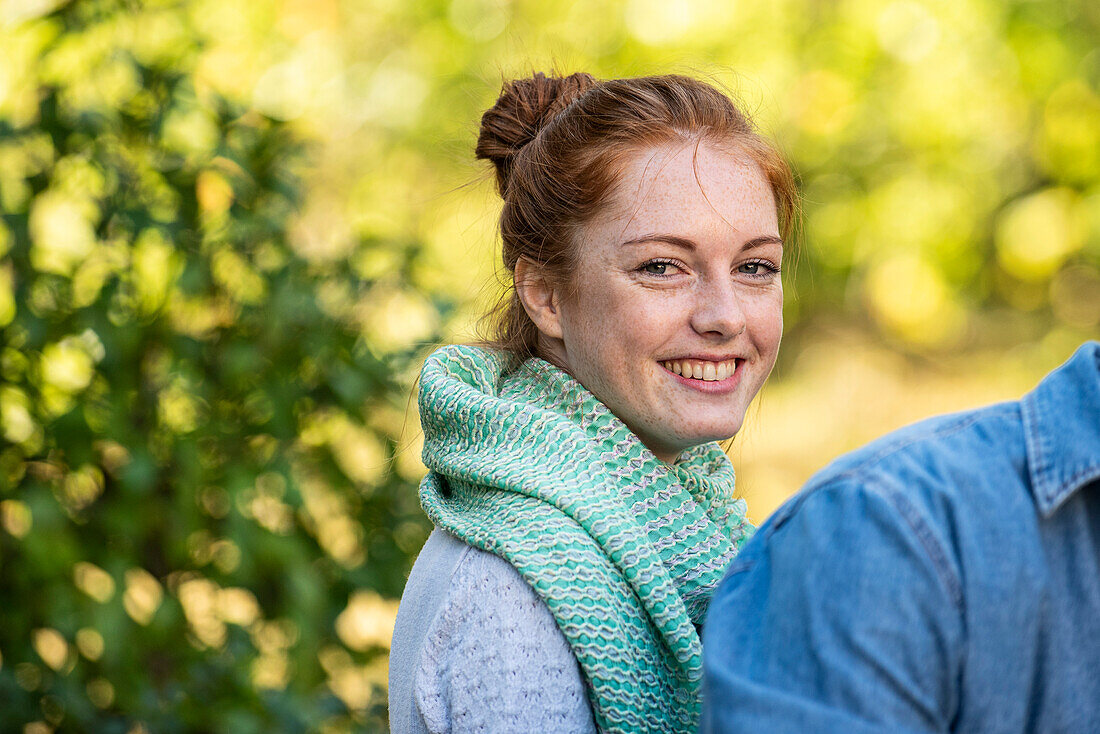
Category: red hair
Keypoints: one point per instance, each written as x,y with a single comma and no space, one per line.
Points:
559,145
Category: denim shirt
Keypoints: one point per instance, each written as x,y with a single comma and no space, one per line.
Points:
944,578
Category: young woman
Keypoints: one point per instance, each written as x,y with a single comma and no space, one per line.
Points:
584,512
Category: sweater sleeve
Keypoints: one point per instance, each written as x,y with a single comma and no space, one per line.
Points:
495,660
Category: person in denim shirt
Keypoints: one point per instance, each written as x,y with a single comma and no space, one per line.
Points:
944,578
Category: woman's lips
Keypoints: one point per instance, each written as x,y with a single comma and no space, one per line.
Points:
715,377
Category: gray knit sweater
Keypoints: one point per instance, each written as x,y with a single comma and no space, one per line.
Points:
474,649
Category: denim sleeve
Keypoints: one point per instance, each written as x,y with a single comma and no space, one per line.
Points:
840,615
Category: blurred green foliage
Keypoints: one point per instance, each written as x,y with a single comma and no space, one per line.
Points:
229,229
189,486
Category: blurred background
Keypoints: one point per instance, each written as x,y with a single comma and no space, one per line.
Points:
230,231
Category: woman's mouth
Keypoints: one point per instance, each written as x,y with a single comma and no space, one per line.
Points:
700,369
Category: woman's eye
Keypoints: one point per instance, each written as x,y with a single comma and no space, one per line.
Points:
657,268
757,269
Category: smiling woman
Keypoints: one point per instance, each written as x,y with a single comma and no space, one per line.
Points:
685,261
584,513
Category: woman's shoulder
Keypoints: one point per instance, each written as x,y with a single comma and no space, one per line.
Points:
453,577
487,582
493,657
486,599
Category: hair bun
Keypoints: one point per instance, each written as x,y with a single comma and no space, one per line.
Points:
524,107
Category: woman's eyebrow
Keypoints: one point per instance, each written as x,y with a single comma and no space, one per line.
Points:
667,238
767,239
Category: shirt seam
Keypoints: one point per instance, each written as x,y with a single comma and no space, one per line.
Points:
932,547
463,556
1031,411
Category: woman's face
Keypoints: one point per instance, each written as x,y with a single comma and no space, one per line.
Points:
674,314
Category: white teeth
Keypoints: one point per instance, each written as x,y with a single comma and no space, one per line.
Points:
701,370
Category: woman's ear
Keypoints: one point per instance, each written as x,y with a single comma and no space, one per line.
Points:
540,299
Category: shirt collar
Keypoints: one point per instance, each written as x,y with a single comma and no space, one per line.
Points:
1061,418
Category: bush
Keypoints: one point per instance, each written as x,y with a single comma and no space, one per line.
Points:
192,473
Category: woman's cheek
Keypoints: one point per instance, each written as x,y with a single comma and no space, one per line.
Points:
651,321
766,320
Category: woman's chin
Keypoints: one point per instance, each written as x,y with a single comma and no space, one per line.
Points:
685,440
700,432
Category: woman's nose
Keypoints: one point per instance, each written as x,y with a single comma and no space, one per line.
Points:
718,311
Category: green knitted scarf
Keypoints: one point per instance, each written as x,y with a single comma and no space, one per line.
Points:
624,549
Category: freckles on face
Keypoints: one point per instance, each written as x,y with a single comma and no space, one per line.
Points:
680,269
692,190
